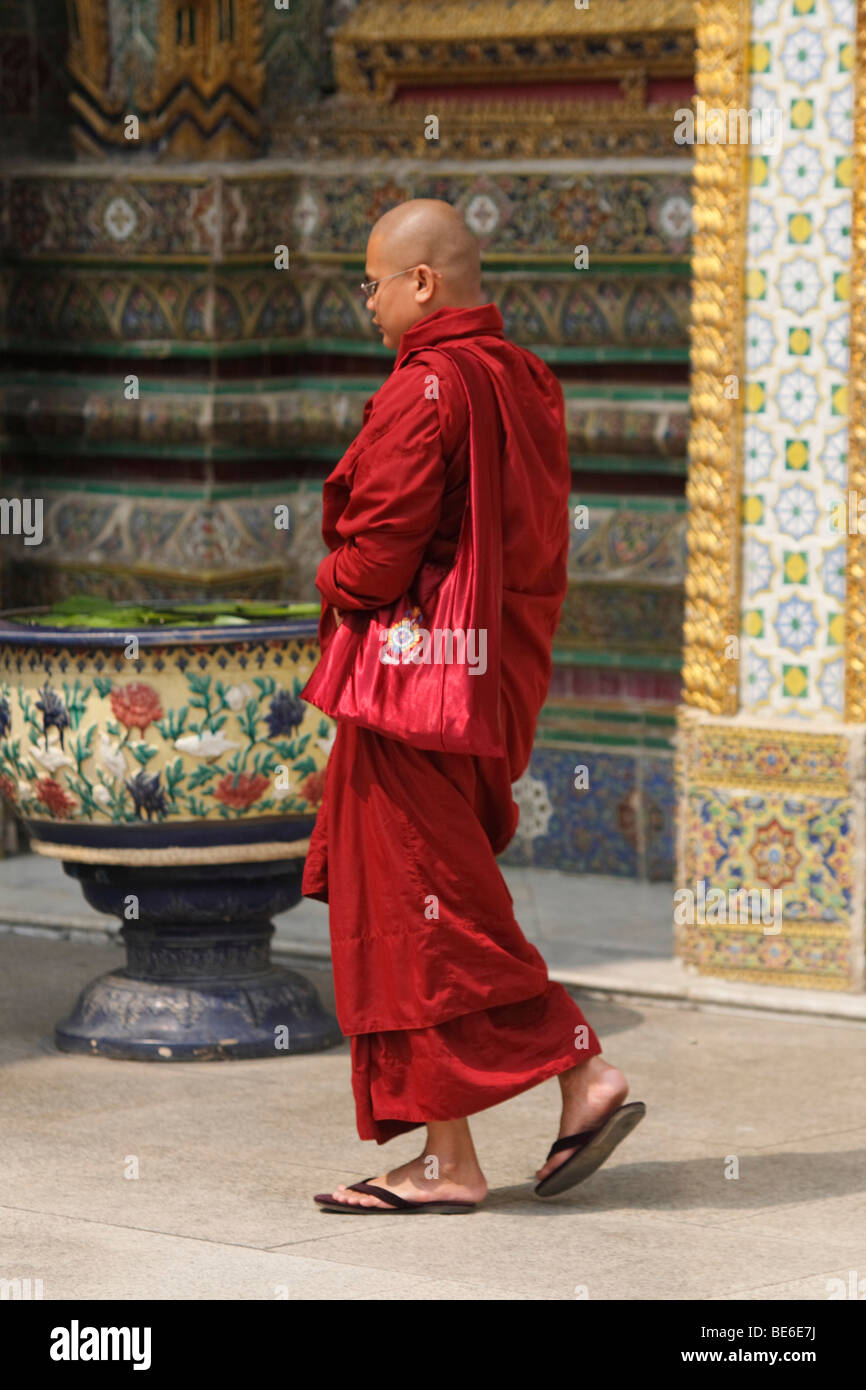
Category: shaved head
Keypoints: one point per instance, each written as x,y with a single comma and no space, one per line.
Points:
423,258
430,231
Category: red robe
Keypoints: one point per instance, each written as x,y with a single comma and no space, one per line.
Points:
448,1006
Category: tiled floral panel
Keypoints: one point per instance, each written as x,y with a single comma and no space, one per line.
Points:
621,426
131,544
627,540
801,845
620,822
590,829
807,959
182,529
137,307
642,618
773,809
658,809
328,413
510,211
625,591
529,214
795,403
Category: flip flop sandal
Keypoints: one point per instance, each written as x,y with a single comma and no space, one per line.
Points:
592,1147
398,1206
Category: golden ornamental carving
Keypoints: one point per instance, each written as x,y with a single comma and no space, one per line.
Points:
483,129
720,184
199,100
89,57
482,19
383,45
855,553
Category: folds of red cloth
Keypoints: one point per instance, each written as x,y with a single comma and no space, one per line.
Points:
450,1009
406,1078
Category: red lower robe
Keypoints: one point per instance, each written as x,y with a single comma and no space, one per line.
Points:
448,1007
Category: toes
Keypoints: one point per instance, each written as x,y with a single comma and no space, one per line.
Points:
347,1197
552,1164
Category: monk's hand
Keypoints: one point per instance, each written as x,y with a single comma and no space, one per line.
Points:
336,613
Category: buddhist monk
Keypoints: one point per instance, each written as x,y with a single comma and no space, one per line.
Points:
451,1013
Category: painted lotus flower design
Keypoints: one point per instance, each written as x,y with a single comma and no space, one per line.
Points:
313,787
52,758
205,745
185,744
52,796
136,705
111,756
237,695
241,790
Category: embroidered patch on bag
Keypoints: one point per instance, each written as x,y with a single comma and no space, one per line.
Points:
403,636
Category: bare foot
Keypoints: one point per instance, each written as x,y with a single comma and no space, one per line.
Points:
458,1182
590,1092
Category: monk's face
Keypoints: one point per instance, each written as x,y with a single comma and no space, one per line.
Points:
403,299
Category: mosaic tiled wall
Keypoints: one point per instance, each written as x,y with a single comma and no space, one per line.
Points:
593,810
626,567
171,270
644,211
797,315
129,310
774,809
598,796
628,428
87,258
297,52
625,601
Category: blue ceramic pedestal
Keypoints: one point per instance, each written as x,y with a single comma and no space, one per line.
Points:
198,983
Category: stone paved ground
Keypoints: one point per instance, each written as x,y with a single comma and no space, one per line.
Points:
229,1154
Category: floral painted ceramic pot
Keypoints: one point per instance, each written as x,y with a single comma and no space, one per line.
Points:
176,773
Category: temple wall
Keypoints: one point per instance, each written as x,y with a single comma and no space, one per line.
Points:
771,747
156,257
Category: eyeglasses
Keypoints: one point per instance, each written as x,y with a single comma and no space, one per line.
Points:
369,287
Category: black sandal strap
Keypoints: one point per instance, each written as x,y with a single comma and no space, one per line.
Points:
572,1141
373,1191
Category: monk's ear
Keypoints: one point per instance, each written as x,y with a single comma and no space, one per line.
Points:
425,284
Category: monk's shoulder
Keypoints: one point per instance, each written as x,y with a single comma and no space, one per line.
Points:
437,375
421,392
403,393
